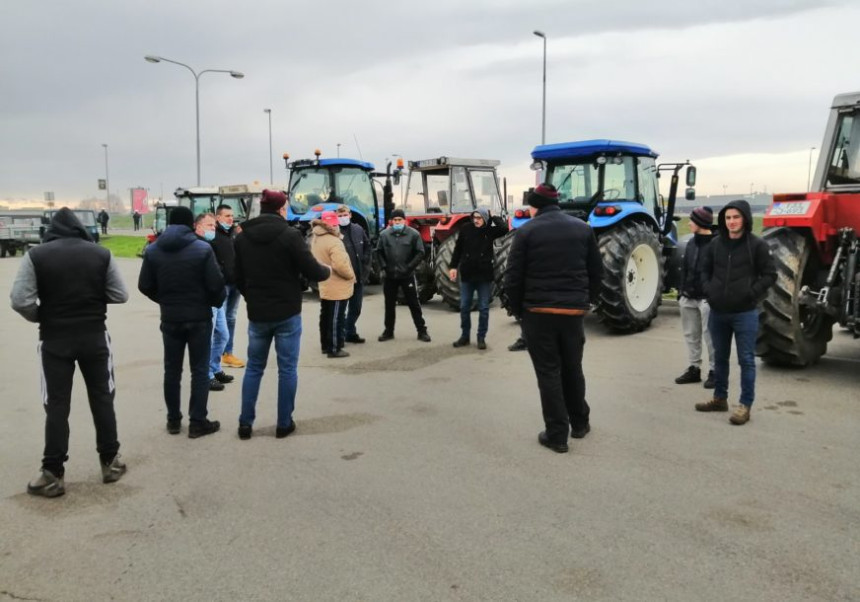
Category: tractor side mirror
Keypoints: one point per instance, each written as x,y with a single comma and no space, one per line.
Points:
396,178
691,176
690,194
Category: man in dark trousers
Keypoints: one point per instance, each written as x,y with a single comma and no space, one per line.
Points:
737,271
553,275
400,251
64,285
271,257
179,272
103,219
360,252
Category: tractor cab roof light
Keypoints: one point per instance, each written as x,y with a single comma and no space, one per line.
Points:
536,166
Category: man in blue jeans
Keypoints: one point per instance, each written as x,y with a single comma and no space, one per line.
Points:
225,233
737,270
271,256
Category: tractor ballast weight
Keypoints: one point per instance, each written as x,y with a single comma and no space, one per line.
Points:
813,239
613,186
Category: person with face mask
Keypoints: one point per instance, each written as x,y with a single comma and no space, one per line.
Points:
400,251
225,235
359,250
328,248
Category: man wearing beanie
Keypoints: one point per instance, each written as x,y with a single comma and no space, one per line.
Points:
400,251
179,272
553,275
271,257
692,302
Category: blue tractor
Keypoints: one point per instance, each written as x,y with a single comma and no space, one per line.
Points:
613,186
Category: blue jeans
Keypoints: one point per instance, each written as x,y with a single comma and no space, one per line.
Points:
219,339
467,291
744,326
287,335
231,305
353,309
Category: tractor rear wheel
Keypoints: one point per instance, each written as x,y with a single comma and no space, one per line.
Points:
791,334
448,289
500,264
632,277
424,278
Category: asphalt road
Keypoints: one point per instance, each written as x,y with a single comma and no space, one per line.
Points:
415,474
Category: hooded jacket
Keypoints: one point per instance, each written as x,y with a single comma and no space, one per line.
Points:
473,251
225,255
399,253
66,283
691,285
271,256
737,272
179,272
327,247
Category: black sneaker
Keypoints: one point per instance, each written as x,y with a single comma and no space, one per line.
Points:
518,345
461,342
216,385
354,339
709,382
559,448
113,470
692,375
578,432
482,344
424,337
385,336
281,432
47,484
245,431
223,377
338,353
201,429
174,426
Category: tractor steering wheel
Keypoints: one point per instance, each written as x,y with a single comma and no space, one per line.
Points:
611,194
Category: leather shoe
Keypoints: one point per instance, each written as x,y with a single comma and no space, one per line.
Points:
338,353
215,385
578,432
424,337
385,336
355,339
174,426
559,448
223,377
461,342
201,429
281,432
518,345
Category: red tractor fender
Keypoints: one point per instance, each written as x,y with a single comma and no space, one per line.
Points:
424,223
449,225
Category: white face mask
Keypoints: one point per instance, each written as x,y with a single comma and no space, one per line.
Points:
343,220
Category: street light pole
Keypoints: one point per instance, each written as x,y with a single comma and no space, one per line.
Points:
233,74
338,149
107,179
271,176
809,171
542,35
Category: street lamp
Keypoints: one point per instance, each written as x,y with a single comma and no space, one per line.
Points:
271,176
107,179
809,170
234,74
542,35
338,149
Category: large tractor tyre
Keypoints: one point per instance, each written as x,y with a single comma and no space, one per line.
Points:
13,250
3,250
632,277
500,263
424,278
791,334
448,289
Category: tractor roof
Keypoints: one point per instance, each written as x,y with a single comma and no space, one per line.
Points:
846,100
589,148
440,162
336,162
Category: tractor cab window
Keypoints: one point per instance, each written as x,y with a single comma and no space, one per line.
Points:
462,201
619,179
575,183
353,187
486,190
201,204
308,187
437,192
648,193
844,165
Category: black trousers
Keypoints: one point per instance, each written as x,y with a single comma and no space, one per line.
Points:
555,344
92,353
410,294
332,324
197,336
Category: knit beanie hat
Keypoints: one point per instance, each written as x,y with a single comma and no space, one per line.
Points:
543,195
702,217
329,218
398,213
271,201
181,216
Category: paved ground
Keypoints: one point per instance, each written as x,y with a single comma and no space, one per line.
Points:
415,475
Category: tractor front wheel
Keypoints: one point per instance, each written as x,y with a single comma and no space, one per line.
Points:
502,250
792,334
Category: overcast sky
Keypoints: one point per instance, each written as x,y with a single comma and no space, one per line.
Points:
742,89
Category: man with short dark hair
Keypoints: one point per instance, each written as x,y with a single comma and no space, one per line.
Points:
271,257
225,235
553,276
360,252
64,285
179,273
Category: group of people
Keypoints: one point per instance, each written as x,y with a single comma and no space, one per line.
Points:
199,267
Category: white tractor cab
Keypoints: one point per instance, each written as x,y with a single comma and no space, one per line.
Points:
441,194
244,199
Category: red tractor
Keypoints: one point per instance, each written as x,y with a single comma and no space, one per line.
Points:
813,238
440,197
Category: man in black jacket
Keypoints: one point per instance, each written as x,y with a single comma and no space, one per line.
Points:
271,257
225,235
65,285
553,275
472,261
359,250
400,251
179,272
737,271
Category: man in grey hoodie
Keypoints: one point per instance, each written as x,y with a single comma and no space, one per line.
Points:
64,285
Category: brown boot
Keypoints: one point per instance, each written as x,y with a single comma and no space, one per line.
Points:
714,405
741,415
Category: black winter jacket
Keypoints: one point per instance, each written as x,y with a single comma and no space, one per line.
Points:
737,272
225,255
473,251
270,257
554,263
179,272
399,253
692,286
359,250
